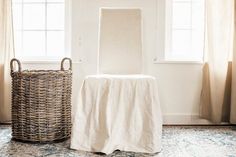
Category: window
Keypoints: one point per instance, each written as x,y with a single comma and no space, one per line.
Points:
39,29
184,38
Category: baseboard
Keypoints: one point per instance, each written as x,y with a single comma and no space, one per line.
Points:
181,119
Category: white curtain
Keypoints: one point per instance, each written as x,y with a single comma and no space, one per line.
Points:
6,53
233,91
218,97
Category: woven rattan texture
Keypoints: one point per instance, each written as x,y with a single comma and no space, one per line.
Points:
41,104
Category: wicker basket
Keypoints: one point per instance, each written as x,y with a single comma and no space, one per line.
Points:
41,104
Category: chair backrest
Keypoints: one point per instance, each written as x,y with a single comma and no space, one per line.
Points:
120,45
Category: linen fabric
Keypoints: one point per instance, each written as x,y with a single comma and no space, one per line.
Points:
6,53
120,44
218,97
233,85
118,112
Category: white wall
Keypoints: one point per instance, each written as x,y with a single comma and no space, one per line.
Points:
179,84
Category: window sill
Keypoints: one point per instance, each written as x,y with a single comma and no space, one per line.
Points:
46,62
178,62
40,62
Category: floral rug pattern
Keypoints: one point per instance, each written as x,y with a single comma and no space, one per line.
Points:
177,141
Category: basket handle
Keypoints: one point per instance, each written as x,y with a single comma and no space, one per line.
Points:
11,65
62,63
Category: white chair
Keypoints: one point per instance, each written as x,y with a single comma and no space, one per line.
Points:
118,108
120,50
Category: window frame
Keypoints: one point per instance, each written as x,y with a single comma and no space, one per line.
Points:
164,29
67,38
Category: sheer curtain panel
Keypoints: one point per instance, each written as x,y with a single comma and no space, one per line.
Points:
218,97
6,53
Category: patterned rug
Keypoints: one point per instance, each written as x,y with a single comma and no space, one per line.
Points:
178,141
